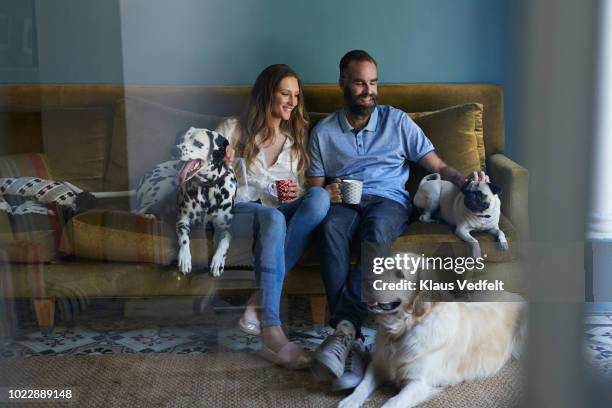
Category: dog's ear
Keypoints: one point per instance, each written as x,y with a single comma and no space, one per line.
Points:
218,147
220,142
494,188
418,305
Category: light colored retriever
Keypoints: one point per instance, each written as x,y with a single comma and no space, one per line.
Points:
423,346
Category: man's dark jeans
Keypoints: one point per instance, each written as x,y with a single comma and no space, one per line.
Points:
375,220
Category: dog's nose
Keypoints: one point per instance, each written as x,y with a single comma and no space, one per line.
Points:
176,152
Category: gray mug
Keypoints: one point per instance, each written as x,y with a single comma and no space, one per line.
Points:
351,191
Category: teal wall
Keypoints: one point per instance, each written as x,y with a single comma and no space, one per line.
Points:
229,42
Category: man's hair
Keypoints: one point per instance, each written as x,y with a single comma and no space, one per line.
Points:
355,55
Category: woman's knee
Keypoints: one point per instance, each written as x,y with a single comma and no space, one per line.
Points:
270,220
316,202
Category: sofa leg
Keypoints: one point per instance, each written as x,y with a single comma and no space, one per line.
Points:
317,309
45,314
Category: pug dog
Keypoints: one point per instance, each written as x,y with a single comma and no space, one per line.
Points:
475,207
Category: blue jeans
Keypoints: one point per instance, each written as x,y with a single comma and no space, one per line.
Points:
281,235
375,220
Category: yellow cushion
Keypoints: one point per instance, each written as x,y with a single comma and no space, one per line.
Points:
28,247
110,235
143,136
454,132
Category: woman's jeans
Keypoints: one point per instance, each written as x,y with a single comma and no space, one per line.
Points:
281,235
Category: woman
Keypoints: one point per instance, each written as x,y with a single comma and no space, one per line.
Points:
271,138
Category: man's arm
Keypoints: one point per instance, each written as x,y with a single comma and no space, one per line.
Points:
432,162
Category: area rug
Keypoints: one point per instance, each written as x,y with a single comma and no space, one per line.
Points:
221,379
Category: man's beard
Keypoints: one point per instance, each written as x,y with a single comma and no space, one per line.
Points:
356,109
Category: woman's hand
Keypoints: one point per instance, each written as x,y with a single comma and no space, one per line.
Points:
229,155
333,189
292,192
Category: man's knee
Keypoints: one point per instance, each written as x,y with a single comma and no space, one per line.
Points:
337,225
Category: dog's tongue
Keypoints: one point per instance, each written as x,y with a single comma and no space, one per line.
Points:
187,171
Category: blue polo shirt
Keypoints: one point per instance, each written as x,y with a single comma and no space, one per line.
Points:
378,154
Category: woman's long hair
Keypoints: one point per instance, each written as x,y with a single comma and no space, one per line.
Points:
258,114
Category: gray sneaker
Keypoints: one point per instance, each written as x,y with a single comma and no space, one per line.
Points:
332,353
354,368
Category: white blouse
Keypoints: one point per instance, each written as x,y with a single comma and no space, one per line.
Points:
260,175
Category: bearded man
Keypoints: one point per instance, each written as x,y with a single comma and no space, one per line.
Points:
372,143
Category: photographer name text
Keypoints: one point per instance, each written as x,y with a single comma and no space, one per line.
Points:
430,285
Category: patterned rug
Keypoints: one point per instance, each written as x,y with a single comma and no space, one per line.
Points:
104,329
209,327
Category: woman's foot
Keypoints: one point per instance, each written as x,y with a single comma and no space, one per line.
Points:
249,322
277,348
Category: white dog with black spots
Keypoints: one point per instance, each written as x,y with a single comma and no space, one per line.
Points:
207,190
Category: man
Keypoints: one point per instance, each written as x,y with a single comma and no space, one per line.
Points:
374,144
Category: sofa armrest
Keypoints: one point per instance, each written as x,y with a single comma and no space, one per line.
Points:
513,179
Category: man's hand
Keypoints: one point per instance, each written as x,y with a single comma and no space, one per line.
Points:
333,189
229,155
477,176
432,162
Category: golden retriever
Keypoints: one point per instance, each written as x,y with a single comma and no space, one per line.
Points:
423,346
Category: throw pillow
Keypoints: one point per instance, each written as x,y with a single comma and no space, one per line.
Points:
453,133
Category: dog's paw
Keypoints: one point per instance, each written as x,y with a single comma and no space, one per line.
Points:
427,218
503,245
352,401
216,266
395,402
184,260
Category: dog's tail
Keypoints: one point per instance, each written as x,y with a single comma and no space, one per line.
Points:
430,177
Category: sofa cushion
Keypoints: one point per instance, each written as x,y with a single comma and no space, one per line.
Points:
143,136
454,132
440,240
109,235
76,142
28,247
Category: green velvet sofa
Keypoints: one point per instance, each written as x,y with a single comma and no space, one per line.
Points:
103,137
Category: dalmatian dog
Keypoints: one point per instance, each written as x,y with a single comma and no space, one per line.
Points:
207,190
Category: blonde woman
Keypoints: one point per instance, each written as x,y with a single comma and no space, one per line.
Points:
271,136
